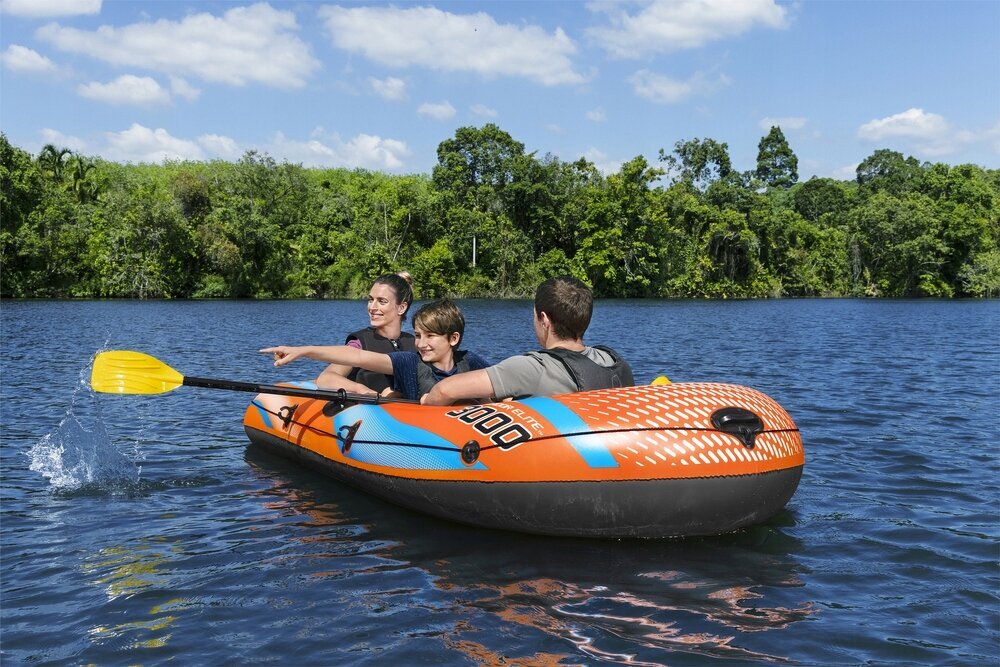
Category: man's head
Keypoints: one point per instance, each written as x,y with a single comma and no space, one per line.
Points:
568,303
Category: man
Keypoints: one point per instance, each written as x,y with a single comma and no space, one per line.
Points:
563,308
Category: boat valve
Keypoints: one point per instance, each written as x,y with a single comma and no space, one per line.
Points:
740,423
470,452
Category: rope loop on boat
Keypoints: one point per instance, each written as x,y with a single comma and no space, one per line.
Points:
286,413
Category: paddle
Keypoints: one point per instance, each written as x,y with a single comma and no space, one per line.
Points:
127,372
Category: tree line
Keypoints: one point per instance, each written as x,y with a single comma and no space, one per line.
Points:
494,220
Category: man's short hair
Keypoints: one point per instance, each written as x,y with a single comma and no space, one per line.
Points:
568,302
441,317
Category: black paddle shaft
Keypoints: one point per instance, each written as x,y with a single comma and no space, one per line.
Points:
320,394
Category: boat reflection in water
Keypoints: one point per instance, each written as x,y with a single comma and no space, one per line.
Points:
495,595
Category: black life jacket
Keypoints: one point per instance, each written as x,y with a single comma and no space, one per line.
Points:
374,342
588,374
426,378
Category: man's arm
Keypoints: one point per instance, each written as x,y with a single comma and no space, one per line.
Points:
474,384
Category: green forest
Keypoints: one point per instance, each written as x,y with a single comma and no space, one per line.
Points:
493,220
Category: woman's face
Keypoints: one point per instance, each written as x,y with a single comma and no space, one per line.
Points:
383,308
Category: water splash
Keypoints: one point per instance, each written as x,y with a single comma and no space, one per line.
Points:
75,456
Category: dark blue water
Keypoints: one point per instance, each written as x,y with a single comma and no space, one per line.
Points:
143,530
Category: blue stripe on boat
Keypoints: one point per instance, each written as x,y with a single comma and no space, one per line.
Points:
304,384
590,446
263,413
380,428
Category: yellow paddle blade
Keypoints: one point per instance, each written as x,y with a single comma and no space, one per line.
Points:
662,379
127,372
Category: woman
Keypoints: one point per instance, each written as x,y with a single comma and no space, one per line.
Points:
439,326
388,300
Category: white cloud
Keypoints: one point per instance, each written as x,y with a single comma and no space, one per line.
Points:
364,151
666,90
785,123
483,110
141,144
600,160
911,123
555,128
220,146
19,58
440,111
438,40
50,8
845,173
57,138
928,134
253,44
672,25
182,88
596,115
126,89
389,88
373,151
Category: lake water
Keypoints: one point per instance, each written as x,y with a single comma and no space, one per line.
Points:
143,530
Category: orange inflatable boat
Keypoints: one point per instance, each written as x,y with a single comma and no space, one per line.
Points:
647,461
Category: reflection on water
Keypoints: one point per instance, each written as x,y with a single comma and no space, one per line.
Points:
127,571
610,600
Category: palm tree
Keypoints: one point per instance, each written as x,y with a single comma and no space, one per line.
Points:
83,188
52,160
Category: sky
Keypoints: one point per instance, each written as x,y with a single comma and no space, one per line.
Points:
379,86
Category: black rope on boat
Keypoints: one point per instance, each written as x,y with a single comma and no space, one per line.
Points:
483,448
348,440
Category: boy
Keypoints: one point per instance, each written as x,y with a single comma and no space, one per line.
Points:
438,326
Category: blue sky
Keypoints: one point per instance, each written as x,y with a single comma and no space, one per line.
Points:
379,86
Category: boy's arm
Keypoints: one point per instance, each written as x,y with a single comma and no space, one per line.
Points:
333,354
474,384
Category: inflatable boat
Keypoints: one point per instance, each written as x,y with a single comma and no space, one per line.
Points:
636,462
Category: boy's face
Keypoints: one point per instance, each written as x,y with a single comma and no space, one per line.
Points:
435,348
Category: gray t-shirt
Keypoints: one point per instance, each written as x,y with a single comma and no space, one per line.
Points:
537,374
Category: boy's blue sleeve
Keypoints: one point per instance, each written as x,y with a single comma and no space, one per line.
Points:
404,373
476,362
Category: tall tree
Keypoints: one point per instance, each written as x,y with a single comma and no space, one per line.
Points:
819,197
473,173
477,165
21,192
777,165
698,162
142,246
888,171
623,233
898,246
